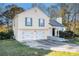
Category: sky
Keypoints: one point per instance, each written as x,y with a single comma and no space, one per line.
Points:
29,5
25,5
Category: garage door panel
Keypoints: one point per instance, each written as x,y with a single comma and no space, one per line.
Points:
27,35
40,34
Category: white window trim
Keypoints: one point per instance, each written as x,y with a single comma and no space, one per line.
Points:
41,22
28,21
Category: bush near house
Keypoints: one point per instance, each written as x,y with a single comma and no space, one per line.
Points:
6,35
77,31
68,34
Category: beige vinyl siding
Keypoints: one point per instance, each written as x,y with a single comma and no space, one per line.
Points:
33,32
35,17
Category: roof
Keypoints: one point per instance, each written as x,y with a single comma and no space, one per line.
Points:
55,23
44,10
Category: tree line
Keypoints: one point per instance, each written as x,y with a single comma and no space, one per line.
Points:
68,11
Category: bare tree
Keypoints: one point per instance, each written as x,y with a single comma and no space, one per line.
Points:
75,12
66,14
53,11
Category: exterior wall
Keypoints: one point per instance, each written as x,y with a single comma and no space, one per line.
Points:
59,28
15,27
59,19
50,32
24,35
35,14
33,32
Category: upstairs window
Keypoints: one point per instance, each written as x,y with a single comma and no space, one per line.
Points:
41,22
28,21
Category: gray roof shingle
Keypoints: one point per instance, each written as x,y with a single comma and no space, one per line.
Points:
55,23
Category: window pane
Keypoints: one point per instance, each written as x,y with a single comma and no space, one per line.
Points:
41,22
28,21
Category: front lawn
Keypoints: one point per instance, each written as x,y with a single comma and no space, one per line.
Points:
14,48
59,53
75,41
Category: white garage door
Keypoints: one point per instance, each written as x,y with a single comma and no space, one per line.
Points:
27,35
33,35
40,34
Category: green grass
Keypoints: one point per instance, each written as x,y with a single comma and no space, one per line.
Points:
60,53
14,48
75,41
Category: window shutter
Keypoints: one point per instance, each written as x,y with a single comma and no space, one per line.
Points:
31,21
25,21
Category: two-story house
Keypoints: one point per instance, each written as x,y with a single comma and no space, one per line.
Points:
34,24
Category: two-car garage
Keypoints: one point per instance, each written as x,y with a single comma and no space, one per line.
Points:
31,34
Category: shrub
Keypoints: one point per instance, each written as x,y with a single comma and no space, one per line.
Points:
67,34
62,34
6,35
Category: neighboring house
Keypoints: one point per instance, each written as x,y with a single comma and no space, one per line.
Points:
34,24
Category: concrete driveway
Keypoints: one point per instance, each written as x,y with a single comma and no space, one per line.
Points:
50,44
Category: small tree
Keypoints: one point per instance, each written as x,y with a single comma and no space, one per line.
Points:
11,11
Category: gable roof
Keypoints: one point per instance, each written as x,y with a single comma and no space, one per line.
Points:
44,10
55,23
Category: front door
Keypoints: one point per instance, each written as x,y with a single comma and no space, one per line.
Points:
53,31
